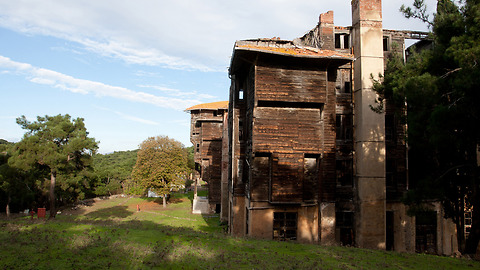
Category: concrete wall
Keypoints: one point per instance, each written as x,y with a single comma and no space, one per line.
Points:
307,227
237,216
446,233
327,224
370,126
260,221
404,228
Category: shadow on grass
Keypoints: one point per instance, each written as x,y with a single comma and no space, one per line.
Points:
72,243
111,212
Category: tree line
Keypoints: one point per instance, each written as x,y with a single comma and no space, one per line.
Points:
56,163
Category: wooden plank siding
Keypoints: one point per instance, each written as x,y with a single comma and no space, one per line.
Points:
206,132
290,84
293,126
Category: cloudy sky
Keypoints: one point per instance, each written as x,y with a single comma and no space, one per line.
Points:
130,68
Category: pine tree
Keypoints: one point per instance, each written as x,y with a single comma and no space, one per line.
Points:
441,88
57,143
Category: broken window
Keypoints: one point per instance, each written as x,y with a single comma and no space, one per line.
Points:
342,41
344,169
310,176
344,227
386,44
344,127
426,232
284,226
348,87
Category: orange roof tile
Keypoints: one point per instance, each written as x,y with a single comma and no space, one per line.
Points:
209,106
297,51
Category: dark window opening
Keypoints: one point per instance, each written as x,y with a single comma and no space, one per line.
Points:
386,44
344,224
346,41
198,168
344,169
344,127
284,226
198,148
310,176
288,104
215,113
262,154
348,87
426,232
218,208
342,41
338,41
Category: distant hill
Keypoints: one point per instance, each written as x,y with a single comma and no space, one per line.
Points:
2,141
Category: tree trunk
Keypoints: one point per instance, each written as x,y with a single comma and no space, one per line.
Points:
8,206
53,180
164,200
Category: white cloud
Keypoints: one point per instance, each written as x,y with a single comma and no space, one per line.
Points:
75,85
181,34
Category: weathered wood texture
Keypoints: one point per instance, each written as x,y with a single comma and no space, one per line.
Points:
291,125
328,179
206,136
290,84
212,174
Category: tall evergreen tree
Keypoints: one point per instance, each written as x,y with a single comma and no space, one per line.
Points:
56,143
441,88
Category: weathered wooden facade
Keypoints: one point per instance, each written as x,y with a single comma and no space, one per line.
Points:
307,157
282,115
206,126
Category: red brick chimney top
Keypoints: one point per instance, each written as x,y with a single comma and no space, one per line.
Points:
326,17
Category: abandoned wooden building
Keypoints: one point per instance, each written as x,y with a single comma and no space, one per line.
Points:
206,135
308,159
301,153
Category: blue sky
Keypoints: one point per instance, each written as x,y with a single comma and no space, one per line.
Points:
130,68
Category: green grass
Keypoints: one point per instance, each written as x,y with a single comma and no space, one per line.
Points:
112,234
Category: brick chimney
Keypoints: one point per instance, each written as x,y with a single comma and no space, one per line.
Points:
369,143
326,31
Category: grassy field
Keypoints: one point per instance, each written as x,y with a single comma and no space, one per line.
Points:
111,233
